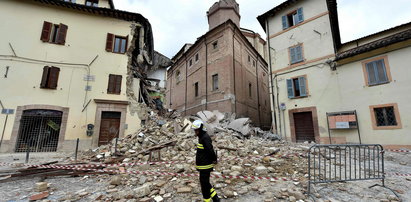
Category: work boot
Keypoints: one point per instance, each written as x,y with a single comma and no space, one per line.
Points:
216,199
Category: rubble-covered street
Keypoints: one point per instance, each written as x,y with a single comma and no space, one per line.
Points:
200,101
128,176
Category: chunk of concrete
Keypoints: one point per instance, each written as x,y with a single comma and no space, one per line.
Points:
184,190
142,191
241,125
158,198
41,186
116,180
261,170
236,168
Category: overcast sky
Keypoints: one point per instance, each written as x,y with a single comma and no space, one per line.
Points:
176,22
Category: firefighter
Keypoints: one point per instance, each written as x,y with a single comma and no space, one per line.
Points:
206,159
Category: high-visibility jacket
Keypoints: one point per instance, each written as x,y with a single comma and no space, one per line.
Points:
205,152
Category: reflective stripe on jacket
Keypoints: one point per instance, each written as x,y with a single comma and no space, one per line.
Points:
205,152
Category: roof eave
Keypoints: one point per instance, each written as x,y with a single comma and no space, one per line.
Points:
176,60
387,41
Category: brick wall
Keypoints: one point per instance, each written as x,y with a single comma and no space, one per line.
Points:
220,61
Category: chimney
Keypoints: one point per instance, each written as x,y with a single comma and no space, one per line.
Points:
222,11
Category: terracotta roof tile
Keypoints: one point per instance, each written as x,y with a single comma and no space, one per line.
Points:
395,38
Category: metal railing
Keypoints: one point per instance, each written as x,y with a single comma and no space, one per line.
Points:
39,131
345,162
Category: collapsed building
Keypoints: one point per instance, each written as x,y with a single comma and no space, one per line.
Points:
223,70
85,67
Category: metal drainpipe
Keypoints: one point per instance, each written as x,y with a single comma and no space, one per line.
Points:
235,94
279,110
271,75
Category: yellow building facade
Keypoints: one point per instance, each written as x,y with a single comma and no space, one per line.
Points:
66,73
328,92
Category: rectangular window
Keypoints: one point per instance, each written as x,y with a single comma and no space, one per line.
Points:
197,57
215,82
250,93
385,116
215,45
116,44
191,62
50,77
72,1
54,33
92,3
114,84
254,63
293,18
178,76
297,87
249,59
376,72
196,89
296,54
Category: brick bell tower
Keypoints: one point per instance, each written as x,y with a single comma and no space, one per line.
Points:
223,10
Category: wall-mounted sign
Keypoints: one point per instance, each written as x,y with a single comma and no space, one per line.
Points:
342,125
282,106
342,120
7,111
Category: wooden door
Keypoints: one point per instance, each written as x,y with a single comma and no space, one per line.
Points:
109,127
304,127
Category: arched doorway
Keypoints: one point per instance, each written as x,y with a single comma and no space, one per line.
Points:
39,130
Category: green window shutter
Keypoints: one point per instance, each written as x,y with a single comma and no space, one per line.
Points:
285,23
293,55
290,88
299,53
303,86
300,15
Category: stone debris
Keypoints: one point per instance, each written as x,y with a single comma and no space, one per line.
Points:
184,190
40,196
41,186
116,180
142,191
242,150
241,125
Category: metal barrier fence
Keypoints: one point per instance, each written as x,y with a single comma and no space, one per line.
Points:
346,162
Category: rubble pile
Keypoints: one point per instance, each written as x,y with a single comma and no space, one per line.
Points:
242,150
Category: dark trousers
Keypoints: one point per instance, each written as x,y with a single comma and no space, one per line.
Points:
206,187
